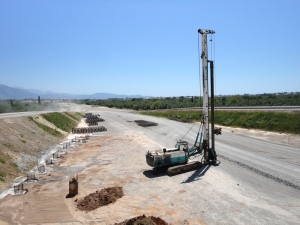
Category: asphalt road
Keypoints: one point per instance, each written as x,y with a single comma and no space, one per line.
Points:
20,114
255,182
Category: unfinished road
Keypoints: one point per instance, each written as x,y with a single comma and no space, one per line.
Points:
255,182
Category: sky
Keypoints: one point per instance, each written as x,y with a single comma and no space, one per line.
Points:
149,48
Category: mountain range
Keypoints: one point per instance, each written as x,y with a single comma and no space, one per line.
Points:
7,92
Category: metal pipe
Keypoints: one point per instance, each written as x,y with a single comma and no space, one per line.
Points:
212,100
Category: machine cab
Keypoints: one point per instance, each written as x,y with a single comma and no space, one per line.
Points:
182,145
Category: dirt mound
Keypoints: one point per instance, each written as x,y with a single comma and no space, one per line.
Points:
143,220
158,221
99,198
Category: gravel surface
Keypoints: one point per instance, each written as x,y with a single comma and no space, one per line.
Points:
255,181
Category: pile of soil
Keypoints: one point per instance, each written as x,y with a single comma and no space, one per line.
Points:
143,220
99,198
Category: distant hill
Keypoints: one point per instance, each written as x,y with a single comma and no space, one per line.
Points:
35,91
7,92
108,95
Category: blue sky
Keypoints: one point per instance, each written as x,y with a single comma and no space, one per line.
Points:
149,47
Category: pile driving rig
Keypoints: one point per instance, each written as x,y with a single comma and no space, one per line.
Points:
178,157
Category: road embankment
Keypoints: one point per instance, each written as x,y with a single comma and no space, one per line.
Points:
23,139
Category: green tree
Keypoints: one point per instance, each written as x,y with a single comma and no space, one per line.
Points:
224,100
156,105
233,101
5,108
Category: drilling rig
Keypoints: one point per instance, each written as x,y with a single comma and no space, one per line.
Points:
177,158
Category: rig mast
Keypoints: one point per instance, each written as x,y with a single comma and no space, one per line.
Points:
209,152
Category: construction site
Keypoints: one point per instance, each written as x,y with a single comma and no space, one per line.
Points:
118,166
71,164
103,178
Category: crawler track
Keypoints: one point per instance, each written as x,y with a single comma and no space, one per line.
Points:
174,170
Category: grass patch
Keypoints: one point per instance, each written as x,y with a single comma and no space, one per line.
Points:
2,160
269,121
59,120
184,116
76,116
46,128
79,114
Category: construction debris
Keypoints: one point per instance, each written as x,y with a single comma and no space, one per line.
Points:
94,120
81,139
87,115
99,198
85,130
145,123
92,123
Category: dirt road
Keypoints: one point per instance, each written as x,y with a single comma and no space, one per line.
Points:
244,188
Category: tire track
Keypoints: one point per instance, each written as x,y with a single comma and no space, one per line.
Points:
262,173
